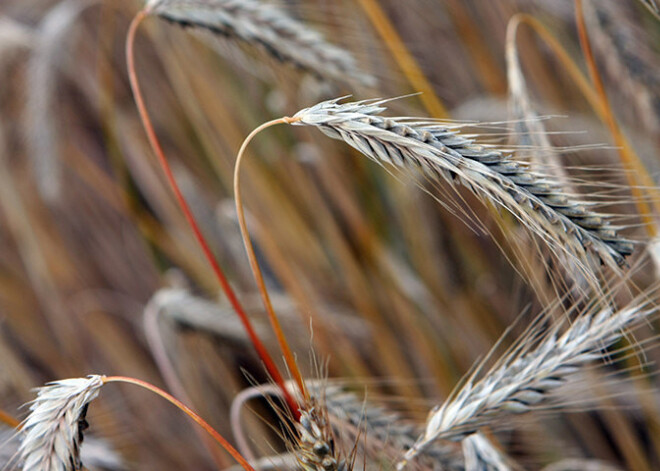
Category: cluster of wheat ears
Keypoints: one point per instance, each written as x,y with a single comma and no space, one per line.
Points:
579,240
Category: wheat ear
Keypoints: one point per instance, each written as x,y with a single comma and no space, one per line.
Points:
54,429
341,420
440,152
524,378
265,25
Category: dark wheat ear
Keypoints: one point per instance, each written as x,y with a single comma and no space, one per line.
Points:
265,25
440,152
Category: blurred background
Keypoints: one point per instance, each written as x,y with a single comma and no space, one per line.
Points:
99,272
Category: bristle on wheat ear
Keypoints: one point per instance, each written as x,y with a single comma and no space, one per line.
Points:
266,26
53,431
525,378
440,152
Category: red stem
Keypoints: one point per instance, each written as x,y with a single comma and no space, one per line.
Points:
229,292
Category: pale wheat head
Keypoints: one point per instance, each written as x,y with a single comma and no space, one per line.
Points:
524,379
53,431
267,26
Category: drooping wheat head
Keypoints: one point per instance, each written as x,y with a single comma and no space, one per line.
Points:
53,432
268,26
438,150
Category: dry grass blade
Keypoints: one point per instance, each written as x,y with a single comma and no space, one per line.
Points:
651,6
440,152
267,26
53,432
524,378
628,60
42,126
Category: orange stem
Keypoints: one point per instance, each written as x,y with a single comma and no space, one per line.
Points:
610,120
404,58
626,153
254,264
201,422
8,419
229,292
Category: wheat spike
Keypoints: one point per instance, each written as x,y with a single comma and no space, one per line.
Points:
97,454
385,433
315,448
439,151
53,432
269,27
523,379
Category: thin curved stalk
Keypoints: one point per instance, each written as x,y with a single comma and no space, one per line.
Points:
254,264
229,292
189,412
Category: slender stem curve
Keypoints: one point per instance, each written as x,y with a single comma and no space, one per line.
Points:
188,411
226,287
254,264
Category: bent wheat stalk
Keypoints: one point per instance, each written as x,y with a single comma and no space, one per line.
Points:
53,431
266,25
440,152
524,379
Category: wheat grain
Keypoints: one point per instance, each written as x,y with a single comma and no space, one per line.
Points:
523,380
481,455
268,26
53,432
439,151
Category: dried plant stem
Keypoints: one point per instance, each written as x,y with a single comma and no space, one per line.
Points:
404,58
624,149
8,419
628,157
254,264
201,422
155,144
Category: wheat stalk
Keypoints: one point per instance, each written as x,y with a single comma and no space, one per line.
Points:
54,429
440,152
523,379
269,27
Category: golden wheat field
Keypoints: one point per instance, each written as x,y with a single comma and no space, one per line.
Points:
329,235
